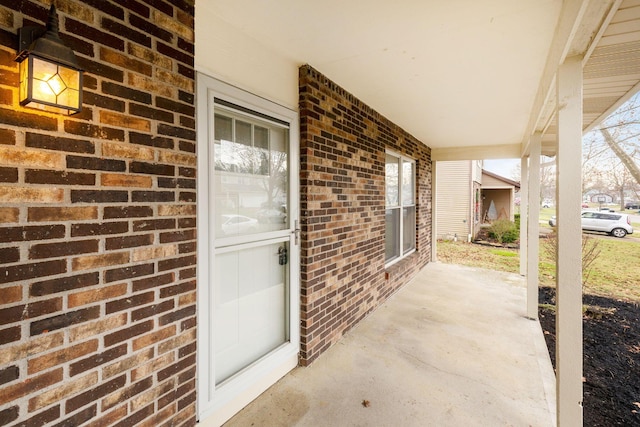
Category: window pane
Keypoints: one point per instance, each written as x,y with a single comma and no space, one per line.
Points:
261,137
408,229
408,183
392,234
243,133
222,127
391,180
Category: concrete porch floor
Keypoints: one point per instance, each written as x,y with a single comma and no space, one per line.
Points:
452,348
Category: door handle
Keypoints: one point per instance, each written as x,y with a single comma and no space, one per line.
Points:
282,255
296,231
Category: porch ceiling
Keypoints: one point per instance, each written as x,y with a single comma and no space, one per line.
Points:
470,78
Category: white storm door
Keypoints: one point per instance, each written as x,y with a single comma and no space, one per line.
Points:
248,253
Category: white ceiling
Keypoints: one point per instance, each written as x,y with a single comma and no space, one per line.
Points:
454,73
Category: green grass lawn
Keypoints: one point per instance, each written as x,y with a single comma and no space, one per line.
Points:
615,272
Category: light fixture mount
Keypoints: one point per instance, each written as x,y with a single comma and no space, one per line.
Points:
50,76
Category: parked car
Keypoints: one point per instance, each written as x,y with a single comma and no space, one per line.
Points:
238,224
632,205
615,224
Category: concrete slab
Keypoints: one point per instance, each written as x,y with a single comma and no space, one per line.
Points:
452,348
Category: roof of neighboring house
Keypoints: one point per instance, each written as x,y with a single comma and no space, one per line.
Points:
501,178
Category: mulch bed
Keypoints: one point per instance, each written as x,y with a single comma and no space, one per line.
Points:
611,331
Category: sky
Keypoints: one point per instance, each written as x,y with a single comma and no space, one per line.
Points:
502,167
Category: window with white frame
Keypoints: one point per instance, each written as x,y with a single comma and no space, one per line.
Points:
400,213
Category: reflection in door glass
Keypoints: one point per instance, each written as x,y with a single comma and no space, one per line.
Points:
251,175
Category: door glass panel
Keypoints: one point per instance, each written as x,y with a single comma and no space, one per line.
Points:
250,307
251,175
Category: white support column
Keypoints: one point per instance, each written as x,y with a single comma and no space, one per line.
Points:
524,208
434,216
569,266
533,239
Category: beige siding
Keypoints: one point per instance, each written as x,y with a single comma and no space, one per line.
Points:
453,193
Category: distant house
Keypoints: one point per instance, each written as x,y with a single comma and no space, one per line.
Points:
468,196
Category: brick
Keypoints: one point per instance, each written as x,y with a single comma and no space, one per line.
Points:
55,250
61,357
149,311
137,417
97,261
151,85
177,158
151,113
152,168
41,418
18,351
177,132
129,302
187,299
171,291
151,140
93,131
186,223
153,196
123,120
28,311
81,12
10,294
122,180
80,418
101,69
135,6
94,394
145,254
151,28
177,315
9,415
170,264
176,210
116,414
95,295
127,212
176,183
127,151
9,215
31,385
25,157
8,174
150,56
9,374
113,243
154,224
187,172
28,233
128,333
173,26
58,214
120,91
128,33
152,282
26,120
124,273
112,10
176,368
7,137
128,363
64,320
178,55
58,177
148,368
91,329
63,284
92,163
31,271
92,33
126,393
99,196
187,97
91,98
97,229
50,142
97,359
187,197
9,255
31,195
178,236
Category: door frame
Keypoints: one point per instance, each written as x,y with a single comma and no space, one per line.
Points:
214,407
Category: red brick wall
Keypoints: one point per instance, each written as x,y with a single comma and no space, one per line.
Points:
343,145
97,223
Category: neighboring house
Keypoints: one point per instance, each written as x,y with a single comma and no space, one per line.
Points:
459,199
498,197
125,296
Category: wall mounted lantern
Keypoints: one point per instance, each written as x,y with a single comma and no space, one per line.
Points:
50,77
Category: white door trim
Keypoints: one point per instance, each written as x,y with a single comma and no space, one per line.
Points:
216,406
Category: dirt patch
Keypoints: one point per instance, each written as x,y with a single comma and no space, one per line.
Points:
611,330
